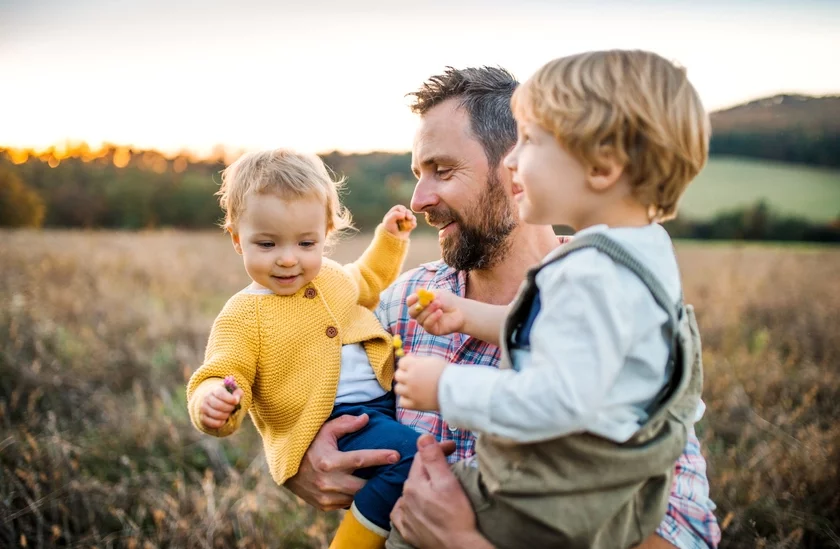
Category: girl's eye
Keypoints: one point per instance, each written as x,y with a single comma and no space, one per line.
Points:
307,244
265,244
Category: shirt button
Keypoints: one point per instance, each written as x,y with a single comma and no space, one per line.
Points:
310,293
452,429
332,332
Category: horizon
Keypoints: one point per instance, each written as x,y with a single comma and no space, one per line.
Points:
323,78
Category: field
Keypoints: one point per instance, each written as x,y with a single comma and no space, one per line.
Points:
99,331
792,189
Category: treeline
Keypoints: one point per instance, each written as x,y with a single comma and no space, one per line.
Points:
138,190
756,222
802,146
123,189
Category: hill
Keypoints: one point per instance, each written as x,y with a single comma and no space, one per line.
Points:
789,128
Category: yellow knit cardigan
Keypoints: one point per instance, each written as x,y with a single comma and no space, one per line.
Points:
285,351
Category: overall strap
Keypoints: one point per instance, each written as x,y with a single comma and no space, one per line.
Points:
675,311
620,255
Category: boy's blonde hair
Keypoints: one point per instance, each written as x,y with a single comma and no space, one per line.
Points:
635,106
289,174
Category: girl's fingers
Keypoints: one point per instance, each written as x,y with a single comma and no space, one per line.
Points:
214,414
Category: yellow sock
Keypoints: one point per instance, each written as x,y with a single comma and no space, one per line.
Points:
356,532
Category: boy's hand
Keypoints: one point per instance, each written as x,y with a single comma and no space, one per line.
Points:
399,221
218,405
442,316
417,380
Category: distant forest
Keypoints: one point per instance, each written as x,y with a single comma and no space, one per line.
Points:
118,187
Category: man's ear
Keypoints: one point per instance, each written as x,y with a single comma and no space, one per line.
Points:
603,176
234,237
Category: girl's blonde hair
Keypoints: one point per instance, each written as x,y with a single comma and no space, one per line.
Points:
635,106
287,173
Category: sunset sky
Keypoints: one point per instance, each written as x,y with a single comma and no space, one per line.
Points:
322,75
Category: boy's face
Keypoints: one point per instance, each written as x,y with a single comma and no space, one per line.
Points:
281,241
549,184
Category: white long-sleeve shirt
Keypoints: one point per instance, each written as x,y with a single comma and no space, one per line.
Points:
598,351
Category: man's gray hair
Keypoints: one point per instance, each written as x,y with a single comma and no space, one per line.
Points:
485,93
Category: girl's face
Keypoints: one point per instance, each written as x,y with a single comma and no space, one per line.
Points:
281,241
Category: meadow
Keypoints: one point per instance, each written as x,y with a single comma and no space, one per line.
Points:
795,190
100,330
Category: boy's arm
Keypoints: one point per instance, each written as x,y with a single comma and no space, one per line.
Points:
379,266
448,313
232,349
484,321
577,350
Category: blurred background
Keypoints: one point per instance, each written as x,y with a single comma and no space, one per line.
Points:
118,116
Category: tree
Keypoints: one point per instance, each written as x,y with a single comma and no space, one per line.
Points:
20,206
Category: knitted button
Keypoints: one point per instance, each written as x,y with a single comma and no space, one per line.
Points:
332,332
310,293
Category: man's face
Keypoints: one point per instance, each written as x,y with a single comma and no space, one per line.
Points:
461,196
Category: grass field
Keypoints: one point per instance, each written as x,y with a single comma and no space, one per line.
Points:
99,332
792,189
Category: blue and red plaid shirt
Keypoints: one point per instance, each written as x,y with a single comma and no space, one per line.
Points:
689,523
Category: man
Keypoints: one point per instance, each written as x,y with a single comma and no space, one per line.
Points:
465,131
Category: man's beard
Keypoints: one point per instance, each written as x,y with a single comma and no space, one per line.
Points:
483,240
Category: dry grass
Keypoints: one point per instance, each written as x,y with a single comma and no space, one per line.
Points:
99,331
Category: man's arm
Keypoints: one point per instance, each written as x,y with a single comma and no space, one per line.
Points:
690,521
434,512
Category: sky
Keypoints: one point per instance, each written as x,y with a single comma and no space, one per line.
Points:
324,75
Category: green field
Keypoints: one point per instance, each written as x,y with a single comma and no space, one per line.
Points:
731,183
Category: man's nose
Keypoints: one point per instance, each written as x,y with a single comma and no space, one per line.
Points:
425,195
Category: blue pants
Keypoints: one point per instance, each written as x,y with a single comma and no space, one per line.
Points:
385,482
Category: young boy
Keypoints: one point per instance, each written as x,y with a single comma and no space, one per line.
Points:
580,428
301,342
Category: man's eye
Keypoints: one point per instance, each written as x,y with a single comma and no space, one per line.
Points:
444,173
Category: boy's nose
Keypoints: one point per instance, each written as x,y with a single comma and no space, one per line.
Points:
509,160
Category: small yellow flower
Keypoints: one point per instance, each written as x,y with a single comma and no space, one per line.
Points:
424,297
398,350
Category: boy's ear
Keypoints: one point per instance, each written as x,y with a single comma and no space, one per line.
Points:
234,237
602,177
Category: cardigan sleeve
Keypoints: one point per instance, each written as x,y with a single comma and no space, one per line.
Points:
232,349
379,266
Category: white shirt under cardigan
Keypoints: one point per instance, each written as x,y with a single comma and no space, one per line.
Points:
598,352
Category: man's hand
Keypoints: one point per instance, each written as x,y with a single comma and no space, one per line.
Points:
325,477
417,380
434,512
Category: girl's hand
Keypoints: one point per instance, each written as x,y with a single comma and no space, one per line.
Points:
399,221
443,315
417,380
218,405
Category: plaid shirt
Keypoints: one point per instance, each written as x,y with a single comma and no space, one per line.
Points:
689,523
